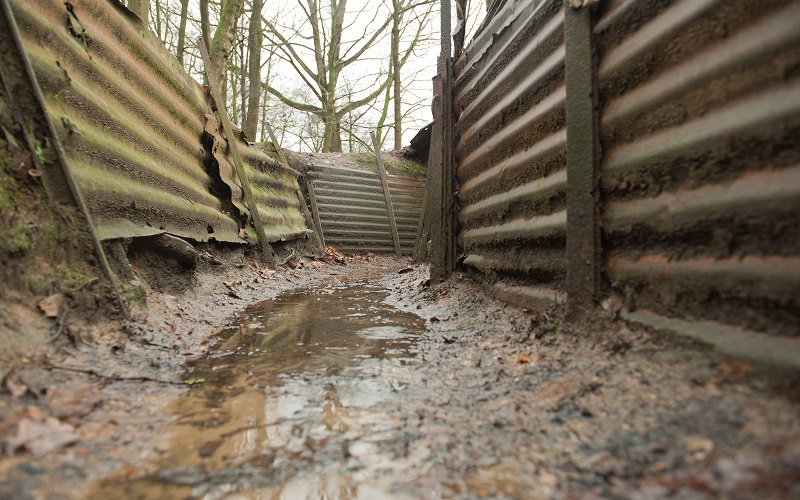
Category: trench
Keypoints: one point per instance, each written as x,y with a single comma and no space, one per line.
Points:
292,400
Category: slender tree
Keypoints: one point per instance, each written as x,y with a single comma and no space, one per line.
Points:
320,62
255,42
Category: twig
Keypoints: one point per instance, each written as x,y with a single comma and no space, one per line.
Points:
113,377
60,322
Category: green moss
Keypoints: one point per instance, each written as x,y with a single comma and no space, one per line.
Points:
16,241
134,293
9,194
401,167
74,276
39,285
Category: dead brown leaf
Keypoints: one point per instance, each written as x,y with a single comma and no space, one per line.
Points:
39,434
53,305
65,402
525,358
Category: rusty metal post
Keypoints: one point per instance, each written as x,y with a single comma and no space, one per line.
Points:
441,171
238,163
583,229
387,196
315,211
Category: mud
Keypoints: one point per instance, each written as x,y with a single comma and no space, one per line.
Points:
365,382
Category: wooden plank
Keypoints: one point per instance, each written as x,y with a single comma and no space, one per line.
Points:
419,252
583,227
387,196
315,211
238,163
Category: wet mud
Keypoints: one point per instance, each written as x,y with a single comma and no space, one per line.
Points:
292,402
364,381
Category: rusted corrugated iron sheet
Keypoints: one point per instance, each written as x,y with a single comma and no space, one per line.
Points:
511,150
701,167
133,126
352,210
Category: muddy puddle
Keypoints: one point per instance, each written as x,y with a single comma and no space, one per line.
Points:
294,401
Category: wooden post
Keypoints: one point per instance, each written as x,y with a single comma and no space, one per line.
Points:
317,223
583,227
387,196
419,252
238,163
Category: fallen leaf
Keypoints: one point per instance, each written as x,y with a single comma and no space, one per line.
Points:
40,436
443,292
291,264
294,274
525,358
317,264
425,282
52,306
65,402
405,270
173,327
254,264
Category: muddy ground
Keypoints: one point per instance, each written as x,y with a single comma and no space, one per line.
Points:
488,401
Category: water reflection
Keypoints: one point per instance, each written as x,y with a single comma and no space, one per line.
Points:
289,406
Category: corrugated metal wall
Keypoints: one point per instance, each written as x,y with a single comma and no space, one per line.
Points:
352,210
511,151
132,125
700,130
698,117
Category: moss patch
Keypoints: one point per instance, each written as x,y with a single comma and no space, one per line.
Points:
393,165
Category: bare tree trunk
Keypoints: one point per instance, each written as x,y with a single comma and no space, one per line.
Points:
397,19
182,31
254,41
223,35
141,8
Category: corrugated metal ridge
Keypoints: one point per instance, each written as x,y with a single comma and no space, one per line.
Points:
765,110
752,194
133,65
355,175
547,146
130,131
93,87
109,187
770,277
547,106
548,226
618,14
530,83
101,149
728,339
660,29
536,190
484,263
528,296
524,57
351,201
772,33
478,46
509,133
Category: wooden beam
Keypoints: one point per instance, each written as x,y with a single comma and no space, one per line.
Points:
387,196
238,162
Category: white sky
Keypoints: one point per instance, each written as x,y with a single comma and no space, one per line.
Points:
365,16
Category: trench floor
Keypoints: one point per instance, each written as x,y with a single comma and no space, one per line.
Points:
363,381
